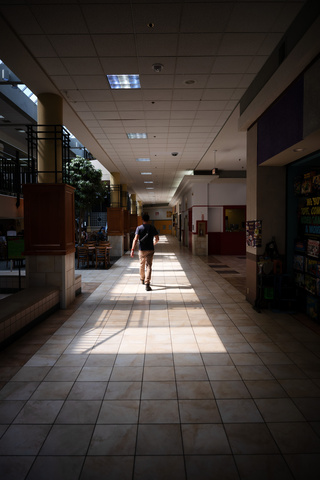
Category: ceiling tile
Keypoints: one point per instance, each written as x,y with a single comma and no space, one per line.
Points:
165,17
200,81
53,66
253,16
217,94
199,43
60,18
72,45
82,66
159,94
224,81
89,82
39,45
241,43
21,19
205,17
107,115
213,105
190,65
108,18
102,106
97,95
115,45
155,45
232,64
190,94
156,81
63,82
122,65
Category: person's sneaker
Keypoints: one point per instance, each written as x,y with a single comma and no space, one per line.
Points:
148,288
142,281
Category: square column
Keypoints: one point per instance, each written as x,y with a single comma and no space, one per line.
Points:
50,238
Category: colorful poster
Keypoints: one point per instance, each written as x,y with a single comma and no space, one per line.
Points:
254,233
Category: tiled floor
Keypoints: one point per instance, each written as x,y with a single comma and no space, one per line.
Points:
185,382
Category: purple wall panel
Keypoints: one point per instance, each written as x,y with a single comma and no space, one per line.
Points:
282,124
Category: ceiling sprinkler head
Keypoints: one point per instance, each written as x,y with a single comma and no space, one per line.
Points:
157,67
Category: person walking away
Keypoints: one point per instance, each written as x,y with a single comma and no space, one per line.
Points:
148,237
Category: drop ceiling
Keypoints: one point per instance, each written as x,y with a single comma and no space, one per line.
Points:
210,52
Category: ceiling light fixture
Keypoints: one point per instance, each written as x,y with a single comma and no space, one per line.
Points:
190,82
146,173
133,136
143,159
124,81
148,182
299,149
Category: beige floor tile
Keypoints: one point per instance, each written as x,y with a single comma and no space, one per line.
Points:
204,439
62,467
229,389
264,467
200,467
159,390
118,412
23,439
159,411
238,411
95,467
159,440
39,412
159,467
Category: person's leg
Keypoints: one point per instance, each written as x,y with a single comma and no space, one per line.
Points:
149,260
142,258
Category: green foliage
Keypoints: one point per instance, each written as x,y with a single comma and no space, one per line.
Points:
88,183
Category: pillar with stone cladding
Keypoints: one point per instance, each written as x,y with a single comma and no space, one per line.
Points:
115,216
49,210
115,197
126,215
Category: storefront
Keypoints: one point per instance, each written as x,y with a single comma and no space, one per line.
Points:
303,232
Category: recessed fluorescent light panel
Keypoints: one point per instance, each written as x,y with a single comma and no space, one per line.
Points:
146,173
149,188
132,136
143,159
124,81
148,182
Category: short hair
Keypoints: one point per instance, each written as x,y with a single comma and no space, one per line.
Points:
145,217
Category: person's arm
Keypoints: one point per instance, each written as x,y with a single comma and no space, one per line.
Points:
136,238
156,239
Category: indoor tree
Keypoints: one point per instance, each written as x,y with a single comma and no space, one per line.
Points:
88,185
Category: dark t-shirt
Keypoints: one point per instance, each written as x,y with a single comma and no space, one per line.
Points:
147,243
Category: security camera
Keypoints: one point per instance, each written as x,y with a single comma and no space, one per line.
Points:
174,154
157,67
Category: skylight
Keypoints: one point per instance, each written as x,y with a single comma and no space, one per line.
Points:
132,136
124,81
24,89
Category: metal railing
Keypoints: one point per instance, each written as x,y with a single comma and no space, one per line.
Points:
14,172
